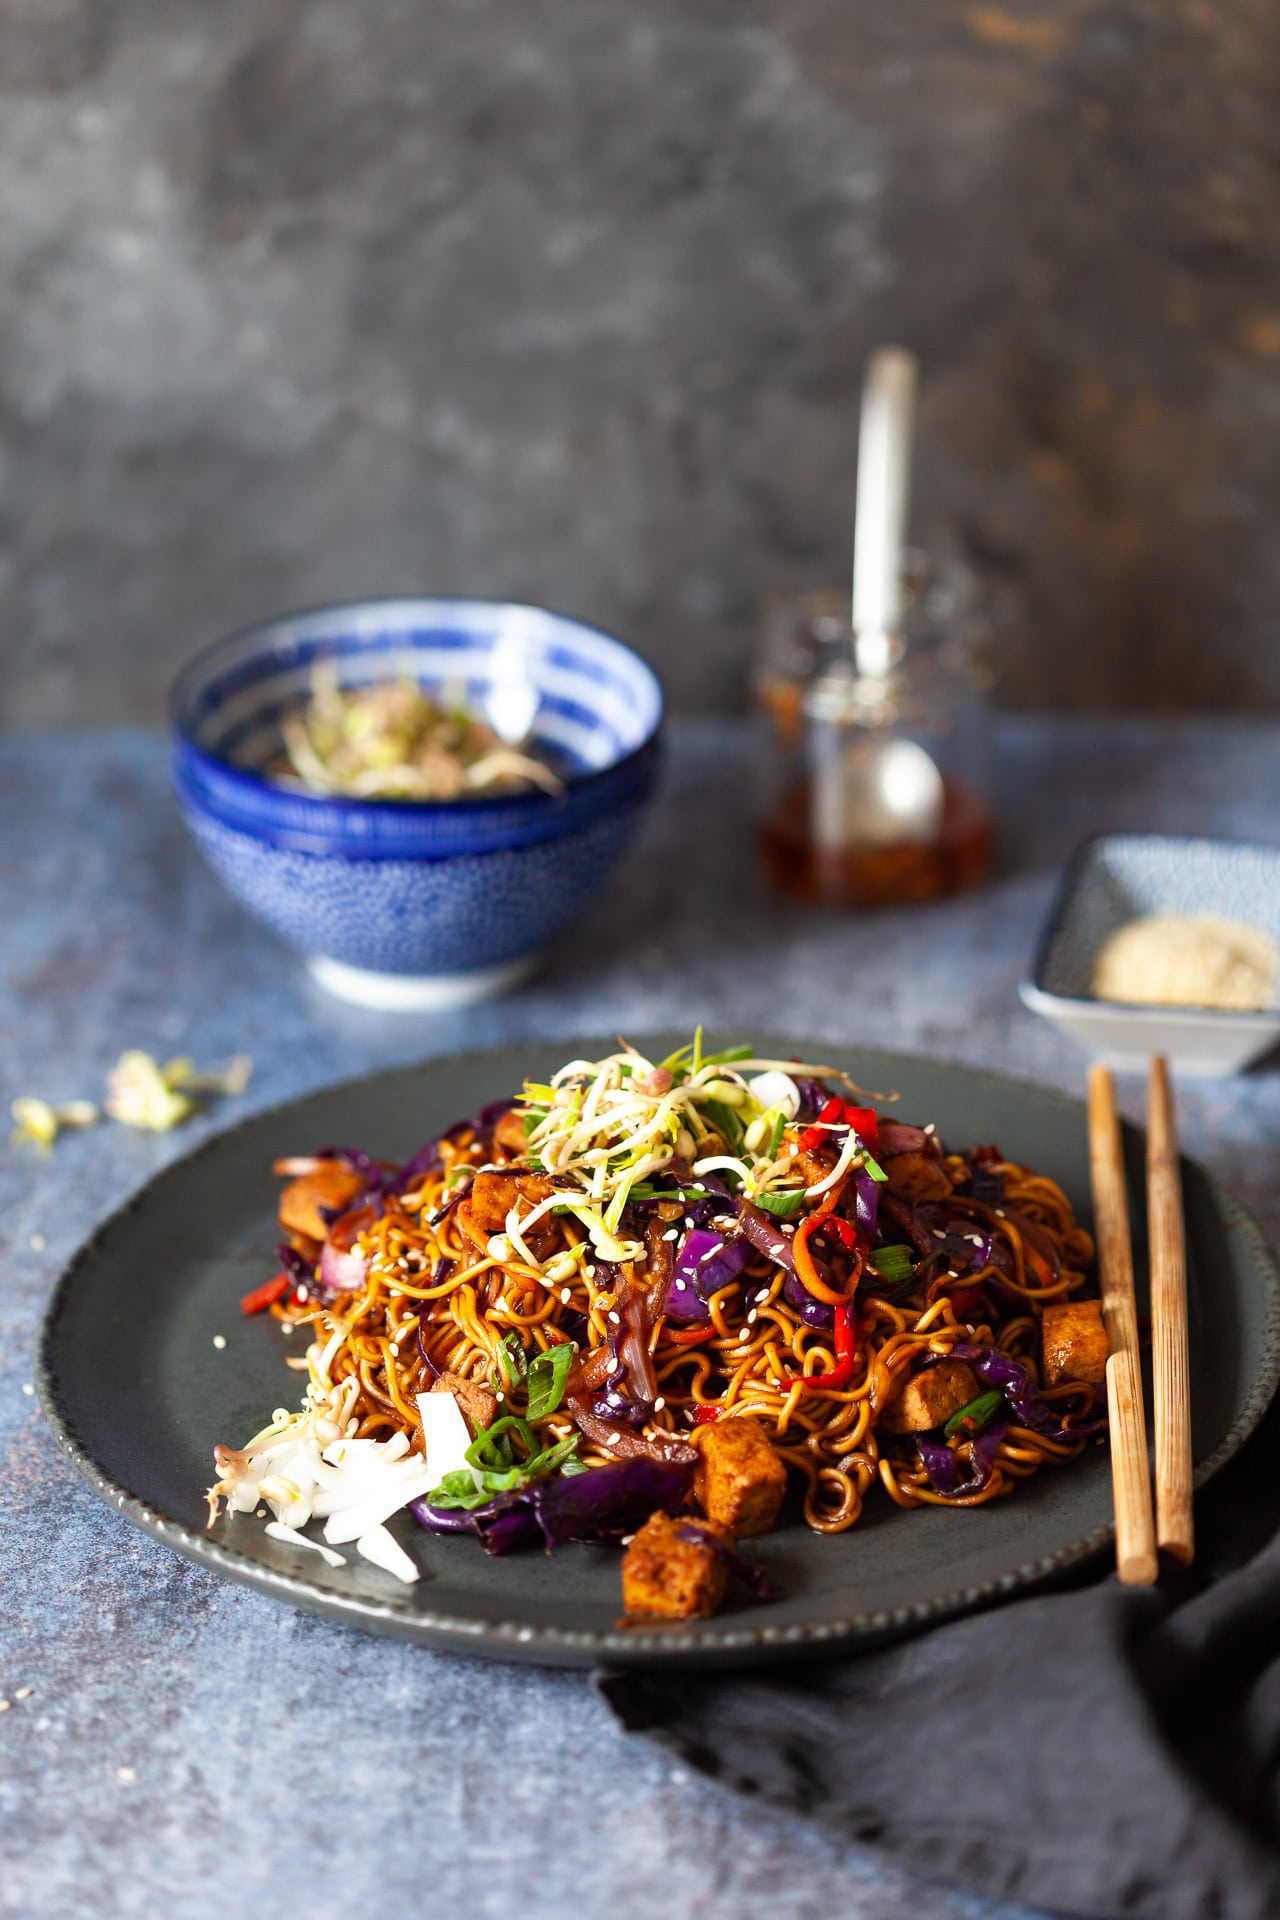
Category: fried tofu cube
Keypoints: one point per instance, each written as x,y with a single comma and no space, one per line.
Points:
330,1185
916,1177
930,1397
669,1572
477,1403
493,1195
509,1134
739,1479
1073,1343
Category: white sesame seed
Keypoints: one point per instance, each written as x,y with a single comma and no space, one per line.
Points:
5,1705
615,1319
615,1366
260,1514
285,1328
38,1243
28,1389
745,1334
590,1272
930,1128
1000,1214
612,1439
566,1295
302,1294
219,1341
762,1296
23,1693
752,1317
659,1404
499,1395
126,1774
938,1233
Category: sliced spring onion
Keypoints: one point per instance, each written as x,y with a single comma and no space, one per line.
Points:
894,1263
976,1415
547,1376
783,1204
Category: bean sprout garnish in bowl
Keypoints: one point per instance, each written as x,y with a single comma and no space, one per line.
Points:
421,796
650,1302
394,741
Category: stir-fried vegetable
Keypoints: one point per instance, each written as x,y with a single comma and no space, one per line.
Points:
392,741
612,1126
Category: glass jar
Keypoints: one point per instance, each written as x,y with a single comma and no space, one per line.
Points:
878,756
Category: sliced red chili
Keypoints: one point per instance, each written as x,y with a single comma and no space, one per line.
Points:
964,1300
846,1345
814,1136
267,1294
704,1415
843,1230
865,1123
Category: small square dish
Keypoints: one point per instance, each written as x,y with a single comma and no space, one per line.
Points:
1119,877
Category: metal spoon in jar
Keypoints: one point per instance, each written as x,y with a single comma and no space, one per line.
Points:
877,788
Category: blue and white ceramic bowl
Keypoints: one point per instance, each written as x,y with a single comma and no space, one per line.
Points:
1118,877
418,903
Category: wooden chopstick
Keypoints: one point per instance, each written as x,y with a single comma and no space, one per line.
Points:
1136,1561
1175,1531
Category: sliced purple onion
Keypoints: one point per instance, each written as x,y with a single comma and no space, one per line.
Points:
342,1270
867,1204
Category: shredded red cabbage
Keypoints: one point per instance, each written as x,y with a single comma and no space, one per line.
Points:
943,1465
300,1271
768,1238
813,1097
600,1504
997,1369
814,1313
684,1303
709,1260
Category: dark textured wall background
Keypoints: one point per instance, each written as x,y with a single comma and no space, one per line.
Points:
567,299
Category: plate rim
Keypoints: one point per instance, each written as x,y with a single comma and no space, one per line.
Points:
652,1645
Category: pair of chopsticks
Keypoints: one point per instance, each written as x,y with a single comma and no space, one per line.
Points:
1144,1535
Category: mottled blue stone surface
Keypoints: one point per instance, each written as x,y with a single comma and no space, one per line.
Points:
189,1748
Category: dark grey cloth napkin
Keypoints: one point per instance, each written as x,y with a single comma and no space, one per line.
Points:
1105,1751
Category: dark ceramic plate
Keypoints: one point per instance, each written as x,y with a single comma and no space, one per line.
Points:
137,1393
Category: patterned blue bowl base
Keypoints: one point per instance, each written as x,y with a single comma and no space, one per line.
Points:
448,916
